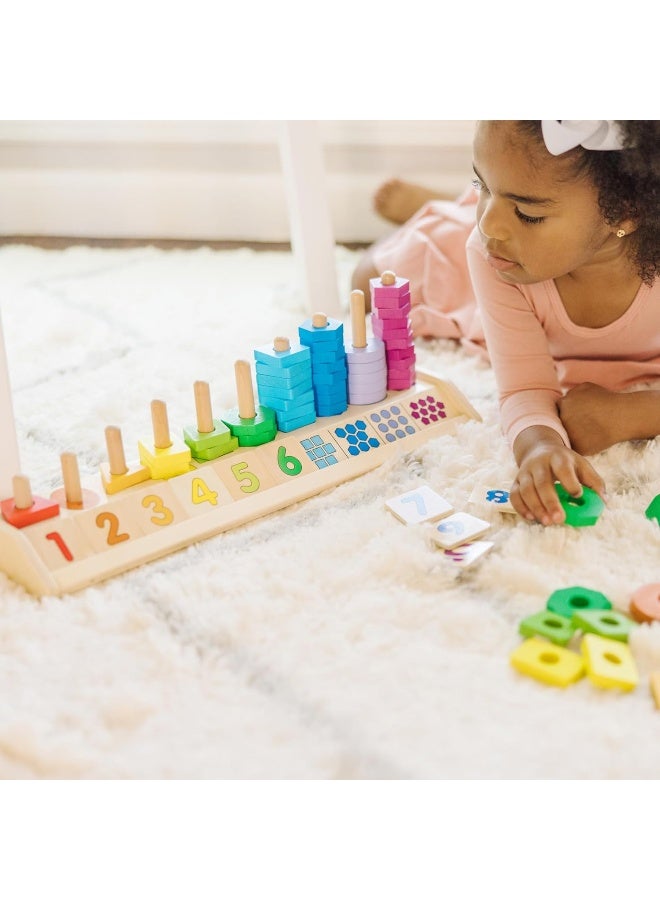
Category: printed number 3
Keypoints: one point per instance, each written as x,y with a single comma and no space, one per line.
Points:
162,515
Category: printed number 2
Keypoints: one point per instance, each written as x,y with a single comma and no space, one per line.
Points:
114,536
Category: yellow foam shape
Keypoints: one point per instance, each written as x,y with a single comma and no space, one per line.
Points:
609,663
547,662
167,462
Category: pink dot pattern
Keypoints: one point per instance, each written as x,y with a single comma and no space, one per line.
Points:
427,410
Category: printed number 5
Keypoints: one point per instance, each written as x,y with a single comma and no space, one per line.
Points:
241,475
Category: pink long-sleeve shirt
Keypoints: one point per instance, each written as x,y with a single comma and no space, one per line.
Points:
538,353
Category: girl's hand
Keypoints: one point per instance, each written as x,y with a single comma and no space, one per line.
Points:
544,459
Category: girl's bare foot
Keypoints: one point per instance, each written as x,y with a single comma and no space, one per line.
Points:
397,200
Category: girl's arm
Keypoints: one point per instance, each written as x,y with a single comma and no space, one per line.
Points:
595,418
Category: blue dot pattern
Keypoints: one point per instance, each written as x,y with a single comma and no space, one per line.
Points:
357,437
322,453
393,423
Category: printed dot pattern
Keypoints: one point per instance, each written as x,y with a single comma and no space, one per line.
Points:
392,423
356,437
322,453
427,410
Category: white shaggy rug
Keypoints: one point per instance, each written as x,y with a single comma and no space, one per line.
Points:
324,641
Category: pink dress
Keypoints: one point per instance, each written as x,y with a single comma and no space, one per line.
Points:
536,350
429,250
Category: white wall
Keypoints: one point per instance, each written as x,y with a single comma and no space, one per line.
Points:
208,180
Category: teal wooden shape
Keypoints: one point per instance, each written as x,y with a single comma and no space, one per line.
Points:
607,623
550,625
567,601
332,332
653,509
580,511
282,359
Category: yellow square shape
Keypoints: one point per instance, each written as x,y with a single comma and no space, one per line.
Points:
609,663
165,463
547,662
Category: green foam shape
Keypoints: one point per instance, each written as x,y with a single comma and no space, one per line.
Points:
550,625
609,623
580,511
567,601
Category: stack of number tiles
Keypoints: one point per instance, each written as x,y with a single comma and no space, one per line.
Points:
456,533
284,383
325,339
390,302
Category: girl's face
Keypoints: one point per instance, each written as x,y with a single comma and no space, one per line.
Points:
537,220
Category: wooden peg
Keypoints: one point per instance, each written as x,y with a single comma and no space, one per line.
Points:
203,407
358,321
22,492
281,344
71,476
244,390
319,320
115,446
162,439
388,277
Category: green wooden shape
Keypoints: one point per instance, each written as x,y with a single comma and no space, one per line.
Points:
263,424
199,441
550,625
567,601
653,509
217,451
607,623
580,511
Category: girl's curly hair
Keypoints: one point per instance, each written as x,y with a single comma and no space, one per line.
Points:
628,183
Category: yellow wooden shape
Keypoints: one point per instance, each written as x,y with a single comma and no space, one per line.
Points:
547,662
167,462
59,542
609,663
112,484
655,687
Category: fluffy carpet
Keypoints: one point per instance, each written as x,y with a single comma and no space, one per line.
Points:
324,641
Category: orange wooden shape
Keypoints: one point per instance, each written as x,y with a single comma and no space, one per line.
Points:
645,603
41,509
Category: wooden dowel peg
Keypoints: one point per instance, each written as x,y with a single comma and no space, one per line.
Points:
23,498
319,320
71,476
161,428
115,445
203,407
388,277
358,320
281,344
244,390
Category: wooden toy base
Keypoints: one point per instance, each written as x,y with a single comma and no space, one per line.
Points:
82,547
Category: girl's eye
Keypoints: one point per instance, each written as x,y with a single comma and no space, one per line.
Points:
478,185
530,220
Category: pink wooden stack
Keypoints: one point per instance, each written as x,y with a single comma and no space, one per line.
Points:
390,304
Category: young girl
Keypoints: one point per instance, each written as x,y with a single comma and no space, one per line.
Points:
561,288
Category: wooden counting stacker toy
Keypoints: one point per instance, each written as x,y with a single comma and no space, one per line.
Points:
227,470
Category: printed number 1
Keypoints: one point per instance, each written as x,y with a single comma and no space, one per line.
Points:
61,543
418,500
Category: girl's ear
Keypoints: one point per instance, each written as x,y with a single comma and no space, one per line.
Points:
627,226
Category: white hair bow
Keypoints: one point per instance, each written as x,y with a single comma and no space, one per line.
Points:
563,135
